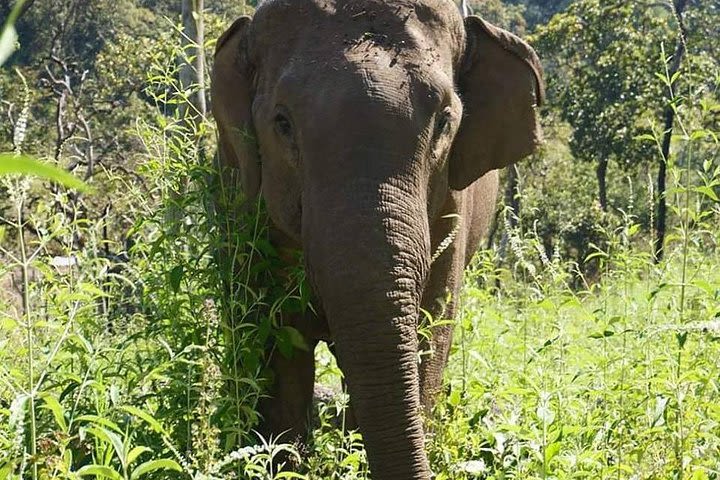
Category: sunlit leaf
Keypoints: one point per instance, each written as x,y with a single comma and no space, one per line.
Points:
603,334
14,164
97,420
110,437
98,471
8,40
282,475
708,192
551,451
152,465
146,417
136,452
52,404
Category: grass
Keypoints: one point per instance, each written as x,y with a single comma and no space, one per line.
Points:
596,390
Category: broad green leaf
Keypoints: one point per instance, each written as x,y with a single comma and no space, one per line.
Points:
547,305
296,338
699,474
93,290
8,34
14,164
596,255
146,417
675,76
551,451
294,475
662,78
681,338
708,192
603,334
82,342
98,471
700,135
6,470
8,40
455,398
112,438
54,406
659,413
705,286
175,277
97,420
68,457
645,137
152,465
135,453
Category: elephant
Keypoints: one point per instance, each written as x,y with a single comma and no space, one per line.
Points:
373,130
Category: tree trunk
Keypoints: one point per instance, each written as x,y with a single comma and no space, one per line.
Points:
669,116
192,80
661,215
192,68
601,173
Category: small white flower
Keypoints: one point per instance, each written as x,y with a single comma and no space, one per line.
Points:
473,467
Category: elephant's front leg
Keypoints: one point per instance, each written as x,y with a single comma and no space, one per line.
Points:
436,349
440,300
286,411
434,360
287,407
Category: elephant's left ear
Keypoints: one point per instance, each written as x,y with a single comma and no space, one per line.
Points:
501,86
231,90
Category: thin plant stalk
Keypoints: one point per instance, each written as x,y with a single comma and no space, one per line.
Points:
685,226
683,290
30,335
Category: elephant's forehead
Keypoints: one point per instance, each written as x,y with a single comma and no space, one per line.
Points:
365,78
411,31
375,76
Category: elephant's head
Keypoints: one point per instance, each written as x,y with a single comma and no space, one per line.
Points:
353,118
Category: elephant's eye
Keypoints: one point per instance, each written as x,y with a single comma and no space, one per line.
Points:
443,121
283,126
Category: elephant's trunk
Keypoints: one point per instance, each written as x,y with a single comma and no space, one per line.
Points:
367,255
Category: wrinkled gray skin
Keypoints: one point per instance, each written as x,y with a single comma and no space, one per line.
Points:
374,120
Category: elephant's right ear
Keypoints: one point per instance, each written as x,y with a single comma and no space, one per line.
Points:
501,86
232,107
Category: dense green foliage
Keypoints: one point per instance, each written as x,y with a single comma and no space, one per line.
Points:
597,85
127,350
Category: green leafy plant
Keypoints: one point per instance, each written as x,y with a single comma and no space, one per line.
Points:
15,164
